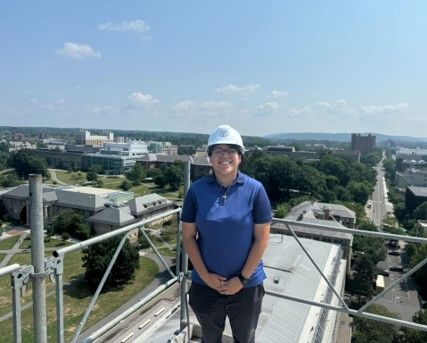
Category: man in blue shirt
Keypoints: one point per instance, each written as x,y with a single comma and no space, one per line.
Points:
226,223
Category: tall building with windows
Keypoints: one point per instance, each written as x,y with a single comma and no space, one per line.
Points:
364,144
86,138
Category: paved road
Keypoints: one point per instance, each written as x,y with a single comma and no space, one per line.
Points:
378,208
403,298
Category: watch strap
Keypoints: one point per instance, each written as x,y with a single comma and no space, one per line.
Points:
242,279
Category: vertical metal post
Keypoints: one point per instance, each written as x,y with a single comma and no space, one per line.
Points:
58,272
16,309
184,259
37,258
178,246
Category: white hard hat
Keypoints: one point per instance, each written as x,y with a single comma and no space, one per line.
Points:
225,134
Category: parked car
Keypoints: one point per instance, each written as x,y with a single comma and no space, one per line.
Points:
384,272
393,243
394,252
397,269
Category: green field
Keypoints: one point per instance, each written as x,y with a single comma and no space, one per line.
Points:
8,243
76,297
70,178
114,182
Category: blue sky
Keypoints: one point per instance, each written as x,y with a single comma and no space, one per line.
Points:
261,66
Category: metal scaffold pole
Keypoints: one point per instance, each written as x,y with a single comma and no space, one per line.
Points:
37,258
184,260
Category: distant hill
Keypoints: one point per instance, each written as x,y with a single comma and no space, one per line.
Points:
337,137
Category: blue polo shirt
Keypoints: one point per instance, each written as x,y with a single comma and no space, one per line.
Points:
225,222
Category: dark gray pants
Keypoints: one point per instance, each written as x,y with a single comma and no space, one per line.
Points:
242,309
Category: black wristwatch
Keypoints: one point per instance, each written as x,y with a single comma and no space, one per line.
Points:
242,279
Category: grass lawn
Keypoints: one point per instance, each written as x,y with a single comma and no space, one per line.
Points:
167,252
111,182
8,243
77,298
69,178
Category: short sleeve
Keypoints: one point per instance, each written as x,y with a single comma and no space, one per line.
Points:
188,214
262,208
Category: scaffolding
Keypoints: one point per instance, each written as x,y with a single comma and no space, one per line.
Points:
53,268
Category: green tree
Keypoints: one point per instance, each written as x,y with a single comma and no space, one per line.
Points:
174,175
97,257
360,191
372,158
368,330
417,253
26,162
365,273
158,177
92,176
9,180
282,210
417,336
70,223
420,212
332,165
126,185
137,174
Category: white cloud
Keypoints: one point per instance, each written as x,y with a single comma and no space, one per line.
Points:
34,101
139,98
241,90
78,51
138,26
210,108
278,94
61,101
99,109
184,106
381,109
270,105
300,111
337,106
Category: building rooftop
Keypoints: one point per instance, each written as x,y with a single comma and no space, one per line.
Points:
117,216
172,158
307,206
22,192
146,203
289,271
418,191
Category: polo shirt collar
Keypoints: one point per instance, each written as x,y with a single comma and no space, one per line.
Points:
239,179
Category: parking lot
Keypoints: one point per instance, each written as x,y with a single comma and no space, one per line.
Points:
403,298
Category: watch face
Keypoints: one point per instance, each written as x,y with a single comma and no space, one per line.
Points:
242,279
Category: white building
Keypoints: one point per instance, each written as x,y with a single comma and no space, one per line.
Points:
411,177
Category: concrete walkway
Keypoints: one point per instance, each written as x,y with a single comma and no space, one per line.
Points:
54,178
14,250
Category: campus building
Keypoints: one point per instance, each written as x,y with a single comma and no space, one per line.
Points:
415,196
364,144
200,166
412,177
104,209
333,215
116,158
86,138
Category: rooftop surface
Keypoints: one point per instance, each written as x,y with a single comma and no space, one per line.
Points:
418,191
289,271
